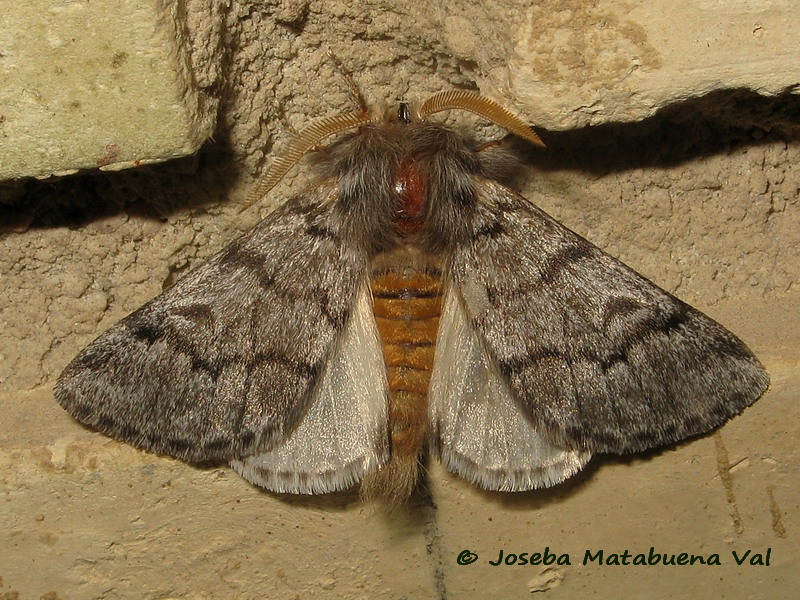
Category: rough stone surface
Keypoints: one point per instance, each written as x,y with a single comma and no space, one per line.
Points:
588,62
701,196
100,84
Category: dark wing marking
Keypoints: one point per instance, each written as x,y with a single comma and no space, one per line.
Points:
223,364
599,357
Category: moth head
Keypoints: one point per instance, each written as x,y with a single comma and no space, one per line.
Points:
403,113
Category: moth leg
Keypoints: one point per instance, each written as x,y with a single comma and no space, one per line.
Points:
493,144
500,158
355,93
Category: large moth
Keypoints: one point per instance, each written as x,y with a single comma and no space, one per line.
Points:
409,300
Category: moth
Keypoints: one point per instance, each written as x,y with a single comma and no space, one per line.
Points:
408,300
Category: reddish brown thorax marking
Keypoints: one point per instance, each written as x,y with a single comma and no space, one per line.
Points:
411,188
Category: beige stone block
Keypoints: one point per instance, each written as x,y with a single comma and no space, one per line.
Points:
88,84
575,63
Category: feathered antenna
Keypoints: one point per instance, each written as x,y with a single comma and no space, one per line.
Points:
309,137
481,106
305,140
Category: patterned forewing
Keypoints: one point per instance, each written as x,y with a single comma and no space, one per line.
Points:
223,363
343,435
601,358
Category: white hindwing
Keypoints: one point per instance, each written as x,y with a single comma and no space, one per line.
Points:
343,435
479,431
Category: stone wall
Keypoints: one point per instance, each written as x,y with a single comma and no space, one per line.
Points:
672,143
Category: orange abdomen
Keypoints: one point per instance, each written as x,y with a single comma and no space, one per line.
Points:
407,308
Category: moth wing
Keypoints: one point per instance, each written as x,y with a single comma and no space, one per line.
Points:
598,357
480,432
223,364
344,433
